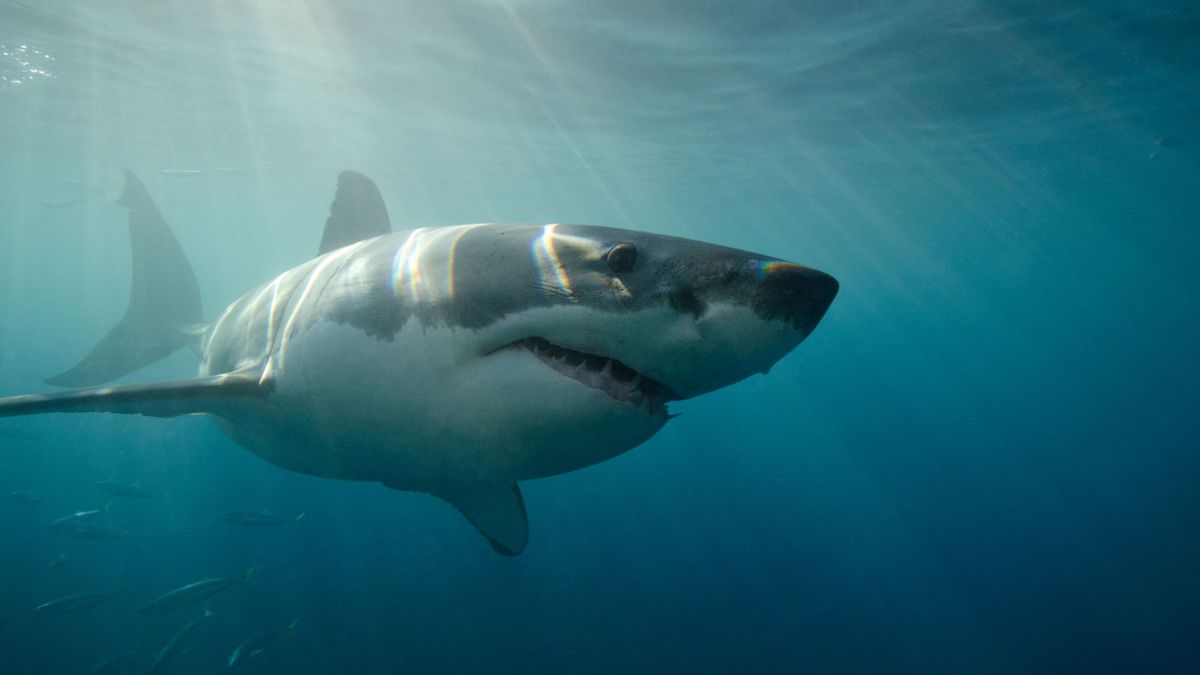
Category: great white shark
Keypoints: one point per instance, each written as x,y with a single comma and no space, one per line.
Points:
455,361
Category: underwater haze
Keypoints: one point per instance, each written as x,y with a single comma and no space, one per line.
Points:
985,459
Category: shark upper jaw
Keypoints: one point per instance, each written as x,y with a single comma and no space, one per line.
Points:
603,373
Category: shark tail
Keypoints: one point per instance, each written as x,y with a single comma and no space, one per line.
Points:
164,300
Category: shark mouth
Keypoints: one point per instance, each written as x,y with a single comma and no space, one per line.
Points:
609,375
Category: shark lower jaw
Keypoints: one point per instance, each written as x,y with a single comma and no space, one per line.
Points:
620,382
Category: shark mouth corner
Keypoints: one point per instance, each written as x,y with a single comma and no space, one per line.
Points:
619,381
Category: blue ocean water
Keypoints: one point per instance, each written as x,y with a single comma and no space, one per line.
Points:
983,460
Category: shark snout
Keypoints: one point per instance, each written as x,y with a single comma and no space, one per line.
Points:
759,311
793,293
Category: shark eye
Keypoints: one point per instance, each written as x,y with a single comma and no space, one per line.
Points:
622,257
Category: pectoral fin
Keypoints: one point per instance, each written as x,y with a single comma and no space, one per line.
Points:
213,394
497,511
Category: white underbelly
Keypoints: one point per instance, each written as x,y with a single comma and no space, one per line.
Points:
426,409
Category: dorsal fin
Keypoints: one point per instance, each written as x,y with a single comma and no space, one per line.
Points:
357,213
164,299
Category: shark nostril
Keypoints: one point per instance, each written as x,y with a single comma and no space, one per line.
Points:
795,293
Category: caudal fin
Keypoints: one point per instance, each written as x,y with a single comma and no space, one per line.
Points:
164,299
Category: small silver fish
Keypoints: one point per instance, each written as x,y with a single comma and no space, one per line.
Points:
191,593
121,662
189,173
26,499
177,643
85,525
127,490
258,519
258,644
61,203
75,603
